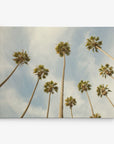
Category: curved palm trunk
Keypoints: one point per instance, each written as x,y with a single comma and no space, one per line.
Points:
48,105
110,101
30,99
9,75
71,112
90,104
105,53
62,92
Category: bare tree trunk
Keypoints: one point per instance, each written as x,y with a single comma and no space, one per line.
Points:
112,77
10,75
30,100
71,112
110,101
105,53
62,92
48,105
90,104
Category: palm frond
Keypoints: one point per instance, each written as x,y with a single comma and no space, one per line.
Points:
50,87
70,101
21,57
63,48
84,86
106,70
41,71
92,43
103,90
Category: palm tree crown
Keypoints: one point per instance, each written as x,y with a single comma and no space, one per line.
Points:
103,90
21,57
96,116
70,101
106,70
50,87
84,86
41,72
63,48
92,43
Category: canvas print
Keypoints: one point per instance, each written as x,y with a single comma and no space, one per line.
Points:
57,72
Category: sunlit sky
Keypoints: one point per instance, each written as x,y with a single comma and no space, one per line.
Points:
40,43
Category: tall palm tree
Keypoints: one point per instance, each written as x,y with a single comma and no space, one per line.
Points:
106,70
103,91
20,58
70,101
94,44
96,116
85,86
41,73
50,87
62,49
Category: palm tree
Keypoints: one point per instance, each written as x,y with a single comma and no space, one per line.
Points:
94,44
106,70
70,101
103,91
50,87
62,49
85,86
20,58
41,73
96,116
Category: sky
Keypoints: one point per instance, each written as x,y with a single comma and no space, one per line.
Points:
81,64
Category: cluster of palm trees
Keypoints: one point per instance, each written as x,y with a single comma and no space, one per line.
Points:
63,49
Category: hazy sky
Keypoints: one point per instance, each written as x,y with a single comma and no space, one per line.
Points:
40,45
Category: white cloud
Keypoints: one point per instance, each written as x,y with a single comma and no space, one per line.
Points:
42,42
11,99
88,63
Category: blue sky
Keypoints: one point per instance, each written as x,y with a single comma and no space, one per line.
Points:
40,44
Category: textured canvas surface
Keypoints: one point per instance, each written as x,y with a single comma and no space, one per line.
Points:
56,72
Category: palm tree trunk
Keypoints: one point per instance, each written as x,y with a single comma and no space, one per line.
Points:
112,77
48,105
110,101
105,53
90,103
30,100
10,75
62,91
71,112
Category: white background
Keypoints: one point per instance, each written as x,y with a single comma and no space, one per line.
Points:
56,13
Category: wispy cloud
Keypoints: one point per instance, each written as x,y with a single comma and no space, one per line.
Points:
40,44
